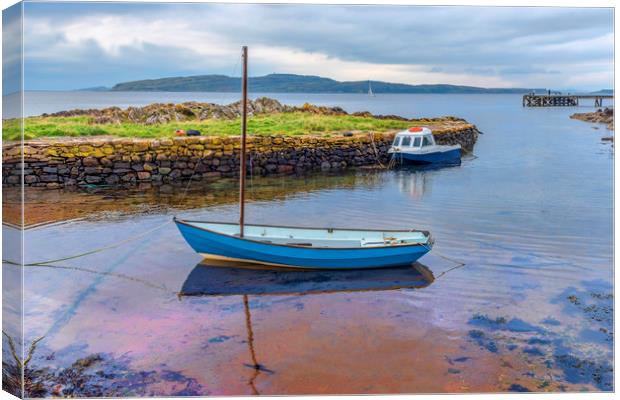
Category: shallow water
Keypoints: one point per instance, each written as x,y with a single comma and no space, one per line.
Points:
530,216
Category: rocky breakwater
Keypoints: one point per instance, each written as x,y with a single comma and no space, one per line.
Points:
104,160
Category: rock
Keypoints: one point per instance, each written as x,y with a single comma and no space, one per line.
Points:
285,169
130,177
112,179
605,116
121,165
92,170
143,176
31,179
325,165
93,179
13,179
164,170
90,162
211,175
49,178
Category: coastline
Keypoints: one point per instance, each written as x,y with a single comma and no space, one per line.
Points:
600,116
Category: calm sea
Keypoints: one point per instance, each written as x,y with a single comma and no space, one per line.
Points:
529,214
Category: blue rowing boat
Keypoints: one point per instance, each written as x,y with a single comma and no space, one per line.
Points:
306,248
294,247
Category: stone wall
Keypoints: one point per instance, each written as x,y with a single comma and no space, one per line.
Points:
57,162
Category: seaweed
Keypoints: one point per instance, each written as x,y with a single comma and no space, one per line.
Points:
12,371
96,375
515,387
578,370
551,349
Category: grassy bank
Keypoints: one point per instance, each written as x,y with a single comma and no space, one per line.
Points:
288,123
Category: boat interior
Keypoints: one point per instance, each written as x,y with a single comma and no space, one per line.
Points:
318,237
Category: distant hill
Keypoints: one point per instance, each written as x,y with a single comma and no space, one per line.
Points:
95,89
604,91
290,83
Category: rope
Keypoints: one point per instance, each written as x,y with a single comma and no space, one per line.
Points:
191,178
104,273
392,162
98,250
372,141
251,173
457,263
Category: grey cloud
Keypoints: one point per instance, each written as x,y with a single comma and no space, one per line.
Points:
499,41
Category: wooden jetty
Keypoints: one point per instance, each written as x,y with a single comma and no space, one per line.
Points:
561,100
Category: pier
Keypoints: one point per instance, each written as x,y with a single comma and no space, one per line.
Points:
561,100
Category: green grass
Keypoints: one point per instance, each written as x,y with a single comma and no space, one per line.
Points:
296,123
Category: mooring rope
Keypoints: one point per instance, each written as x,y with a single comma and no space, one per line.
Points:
104,273
457,263
98,250
374,147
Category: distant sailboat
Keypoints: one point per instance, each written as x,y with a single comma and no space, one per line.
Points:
370,92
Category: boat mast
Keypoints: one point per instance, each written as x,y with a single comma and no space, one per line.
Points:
244,117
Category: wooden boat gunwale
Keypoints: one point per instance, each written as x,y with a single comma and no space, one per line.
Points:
429,240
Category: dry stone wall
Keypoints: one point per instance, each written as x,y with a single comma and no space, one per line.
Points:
57,162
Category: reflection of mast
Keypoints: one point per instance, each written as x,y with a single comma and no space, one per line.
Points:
248,325
258,368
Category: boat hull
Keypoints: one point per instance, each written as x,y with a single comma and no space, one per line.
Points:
225,247
444,157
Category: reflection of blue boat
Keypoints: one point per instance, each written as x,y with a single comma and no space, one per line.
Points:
310,248
221,278
417,146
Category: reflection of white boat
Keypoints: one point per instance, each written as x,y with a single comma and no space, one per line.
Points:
417,146
414,184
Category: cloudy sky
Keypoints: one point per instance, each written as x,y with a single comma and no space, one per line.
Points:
69,46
